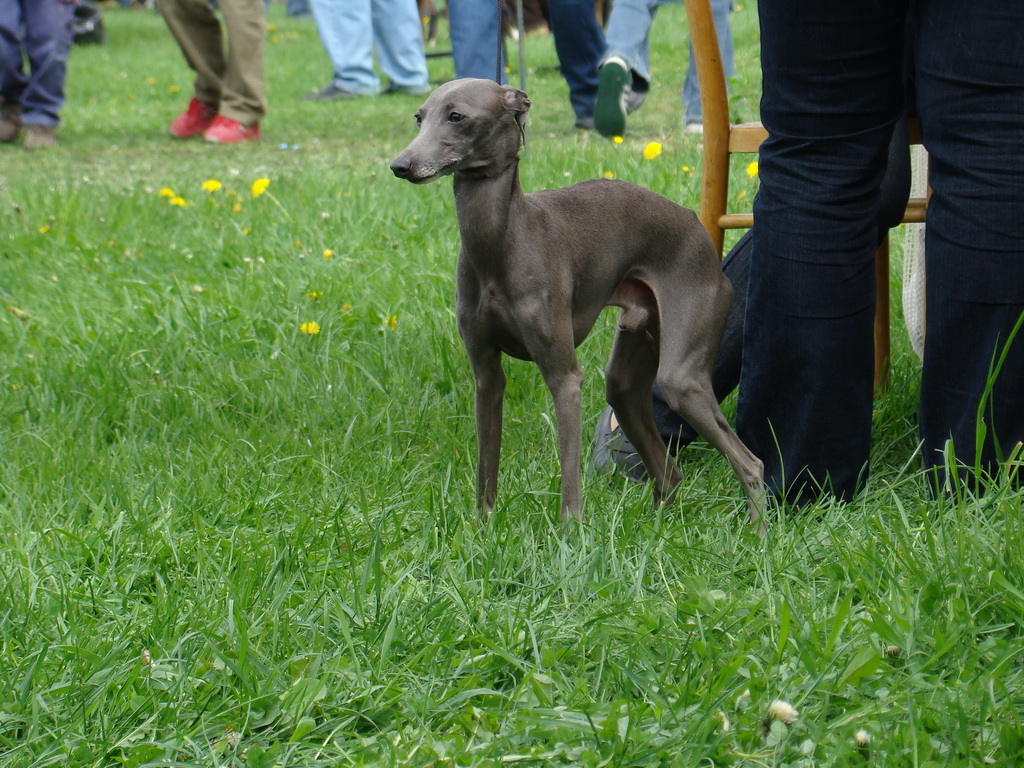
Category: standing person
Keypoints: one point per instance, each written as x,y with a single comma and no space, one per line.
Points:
833,91
625,75
228,102
475,44
39,30
351,30
579,43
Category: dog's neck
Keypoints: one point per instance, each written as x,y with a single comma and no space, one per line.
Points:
485,204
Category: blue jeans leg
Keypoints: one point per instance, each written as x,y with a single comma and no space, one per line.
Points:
833,90
627,37
346,31
692,112
474,31
970,96
579,43
46,43
398,36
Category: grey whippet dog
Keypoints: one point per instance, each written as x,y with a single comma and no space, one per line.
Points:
535,271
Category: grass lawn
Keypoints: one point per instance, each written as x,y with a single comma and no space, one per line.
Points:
237,517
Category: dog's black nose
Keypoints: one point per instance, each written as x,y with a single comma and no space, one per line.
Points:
401,167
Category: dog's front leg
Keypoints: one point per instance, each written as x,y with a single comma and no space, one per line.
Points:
490,391
566,382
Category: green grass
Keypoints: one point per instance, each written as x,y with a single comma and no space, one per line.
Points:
229,543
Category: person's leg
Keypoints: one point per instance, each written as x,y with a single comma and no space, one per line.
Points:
832,92
474,31
692,112
47,43
970,96
242,97
627,35
579,43
346,31
197,31
399,40
12,70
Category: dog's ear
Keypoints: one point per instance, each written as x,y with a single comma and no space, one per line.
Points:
516,101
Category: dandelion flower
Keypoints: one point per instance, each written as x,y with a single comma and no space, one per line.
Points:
173,89
179,201
345,308
212,185
390,323
862,738
652,150
609,175
328,254
752,170
314,295
311,328
43,230
616,139
259,187
236,207
166,192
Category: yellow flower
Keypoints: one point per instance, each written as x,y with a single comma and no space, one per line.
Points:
345,308
212,185
166,192
151,80
391,322
236,207
328,254
652,150
311,328
752,170
43,230
179,201
687,168
617,139
609,175
314,295
260,186
173,89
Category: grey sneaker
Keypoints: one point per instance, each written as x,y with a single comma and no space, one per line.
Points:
408,90
10,120
40,137
331,92
613,453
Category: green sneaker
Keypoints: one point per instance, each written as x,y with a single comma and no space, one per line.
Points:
610,110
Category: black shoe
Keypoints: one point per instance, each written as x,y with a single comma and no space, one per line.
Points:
585,123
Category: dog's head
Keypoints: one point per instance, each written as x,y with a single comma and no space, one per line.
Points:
467,125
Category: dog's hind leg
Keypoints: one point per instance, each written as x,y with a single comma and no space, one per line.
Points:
631,370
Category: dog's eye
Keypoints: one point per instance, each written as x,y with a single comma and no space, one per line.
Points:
455,117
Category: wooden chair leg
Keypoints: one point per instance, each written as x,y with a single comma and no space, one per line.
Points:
882,338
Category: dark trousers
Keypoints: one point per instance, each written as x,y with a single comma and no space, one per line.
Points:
39,30
833,92
579,43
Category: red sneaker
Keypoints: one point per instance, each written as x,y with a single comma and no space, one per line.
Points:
225,131
197,118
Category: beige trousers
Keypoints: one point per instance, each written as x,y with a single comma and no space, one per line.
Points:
232,79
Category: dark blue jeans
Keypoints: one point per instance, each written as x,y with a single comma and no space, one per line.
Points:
833,90
579,43
39,30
